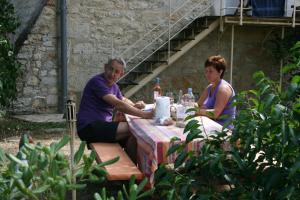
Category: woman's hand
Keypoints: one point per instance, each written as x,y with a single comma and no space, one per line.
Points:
206,112
201,112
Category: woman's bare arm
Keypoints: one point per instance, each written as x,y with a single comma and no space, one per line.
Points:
222,99
202,98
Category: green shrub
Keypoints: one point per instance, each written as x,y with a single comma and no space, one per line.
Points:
9,66
133,192
266,162
43,172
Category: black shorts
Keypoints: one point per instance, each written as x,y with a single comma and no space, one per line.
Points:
99,131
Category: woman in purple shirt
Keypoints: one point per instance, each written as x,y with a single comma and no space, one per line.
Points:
216,101
100,97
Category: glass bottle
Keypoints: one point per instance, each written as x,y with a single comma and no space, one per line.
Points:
156,89
190,101
179,101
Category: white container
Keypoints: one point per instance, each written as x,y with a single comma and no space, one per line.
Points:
289,7
162,108
228,7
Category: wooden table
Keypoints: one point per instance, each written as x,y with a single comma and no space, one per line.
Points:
154,141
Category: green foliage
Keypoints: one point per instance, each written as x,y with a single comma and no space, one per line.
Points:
263,161
134,191
8,21
9,66
42,172
294,60
278,47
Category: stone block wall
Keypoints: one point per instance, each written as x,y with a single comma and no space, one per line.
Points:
100,29
97,30
38,87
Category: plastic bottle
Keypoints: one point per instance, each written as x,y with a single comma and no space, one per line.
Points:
180,110
190,98
156,89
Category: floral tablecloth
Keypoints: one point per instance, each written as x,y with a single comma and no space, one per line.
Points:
154,141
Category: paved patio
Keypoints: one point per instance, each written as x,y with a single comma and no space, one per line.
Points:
41,117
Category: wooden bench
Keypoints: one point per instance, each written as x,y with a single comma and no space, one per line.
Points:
123,169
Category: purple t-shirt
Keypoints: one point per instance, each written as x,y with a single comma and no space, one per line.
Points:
92,106
229,111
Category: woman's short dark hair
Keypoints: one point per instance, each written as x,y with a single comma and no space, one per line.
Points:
217,62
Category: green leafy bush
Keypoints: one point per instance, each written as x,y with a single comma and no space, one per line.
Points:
279,47
42,172
9,66
132,193
263,164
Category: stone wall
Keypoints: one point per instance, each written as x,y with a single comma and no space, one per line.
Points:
38,86
97,30
102,29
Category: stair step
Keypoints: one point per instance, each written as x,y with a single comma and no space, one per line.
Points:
141,72
127,82
183,39
205,26
156,61
166,50
199,31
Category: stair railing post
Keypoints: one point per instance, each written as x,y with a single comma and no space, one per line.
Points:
71,121
112,47
294,14
221,16
231,53
169,32
241,11
281,62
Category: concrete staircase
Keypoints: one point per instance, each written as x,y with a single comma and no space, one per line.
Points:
160,59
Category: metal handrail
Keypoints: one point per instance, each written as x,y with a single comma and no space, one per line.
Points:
164,43
149,32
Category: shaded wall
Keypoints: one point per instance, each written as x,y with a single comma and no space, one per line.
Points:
250,56
38,87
